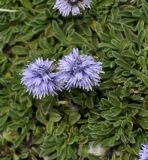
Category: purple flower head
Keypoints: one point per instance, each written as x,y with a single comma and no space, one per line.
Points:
39,79
79,71
143,154
73,6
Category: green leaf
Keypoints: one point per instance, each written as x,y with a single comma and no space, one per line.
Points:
21,137
143,113
60,129
142,62
143,123
47,151
96,26
58,33
128,33
27,4
41,117
74,118
19,50
114,111
145,8
3,119
89,102
80,40
62,153
55,117
15,157
109,142
126,66
49,126
142,76
123,64
105,37
114,101
141,37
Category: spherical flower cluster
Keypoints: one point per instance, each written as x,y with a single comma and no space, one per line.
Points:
79,71
66,7
143,154
41,78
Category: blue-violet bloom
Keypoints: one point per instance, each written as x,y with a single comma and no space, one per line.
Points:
39,78
143,154
79,71
73,6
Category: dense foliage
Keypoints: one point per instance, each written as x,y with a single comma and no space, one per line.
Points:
114,115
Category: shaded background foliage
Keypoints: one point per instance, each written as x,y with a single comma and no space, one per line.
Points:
114,115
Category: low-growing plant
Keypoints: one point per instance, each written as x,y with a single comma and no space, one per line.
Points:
113,115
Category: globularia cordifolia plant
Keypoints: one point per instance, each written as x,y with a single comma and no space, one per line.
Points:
41,78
